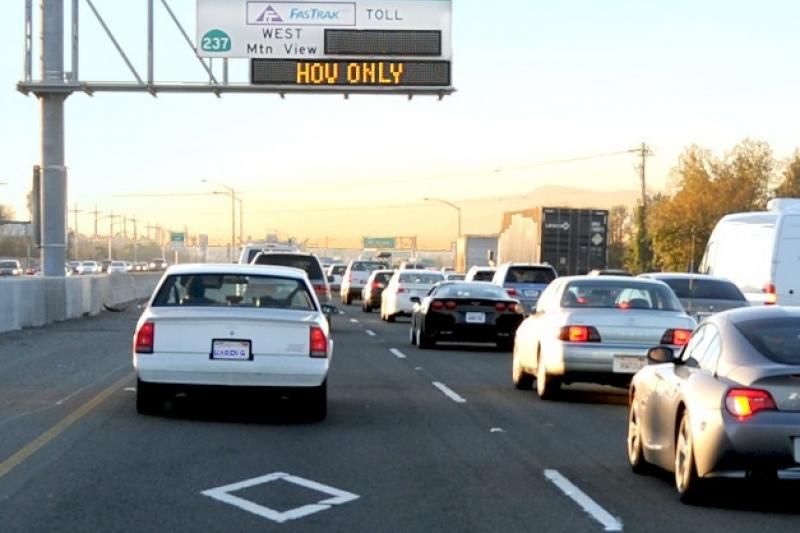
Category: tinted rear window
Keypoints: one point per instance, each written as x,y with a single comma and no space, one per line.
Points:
308,263
8,264
233,290
368,266
471,290
620,295
383,277
709,289
778,339
483,275
538,275
421,278
338,270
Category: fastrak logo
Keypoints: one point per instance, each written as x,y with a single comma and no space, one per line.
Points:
269,15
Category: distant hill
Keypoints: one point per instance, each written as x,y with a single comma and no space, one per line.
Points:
485,215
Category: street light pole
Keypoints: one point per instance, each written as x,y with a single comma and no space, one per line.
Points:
449,204
232,193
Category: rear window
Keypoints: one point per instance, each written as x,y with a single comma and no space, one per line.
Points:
471,290
778,339
368,266
483,275
234,290
620,295
421,278
308,263
540,275
338,270
8,264
383,277
708,289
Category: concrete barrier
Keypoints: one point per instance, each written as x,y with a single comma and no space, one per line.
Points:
36,301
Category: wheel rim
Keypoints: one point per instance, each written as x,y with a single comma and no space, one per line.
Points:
683,457
515,370
634,434
419,337
541,377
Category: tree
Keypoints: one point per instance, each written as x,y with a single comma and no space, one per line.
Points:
6,213
619,233
789,186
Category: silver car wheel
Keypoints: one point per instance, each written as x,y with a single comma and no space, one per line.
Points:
686,479
635,452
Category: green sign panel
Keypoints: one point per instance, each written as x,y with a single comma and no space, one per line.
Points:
378,242
177,238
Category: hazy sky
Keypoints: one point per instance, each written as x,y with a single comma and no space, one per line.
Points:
537,81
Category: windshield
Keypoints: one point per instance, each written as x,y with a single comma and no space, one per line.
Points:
307,263
234,290
620,295
367,266
708,289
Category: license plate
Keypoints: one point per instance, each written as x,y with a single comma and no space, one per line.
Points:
231,350
797,450
476,318
531,292
628,365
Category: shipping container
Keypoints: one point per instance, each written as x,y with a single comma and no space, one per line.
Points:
474,250
574,241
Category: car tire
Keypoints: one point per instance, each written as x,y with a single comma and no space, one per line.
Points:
389,317
521,379
424,341
547,386
412,333
505,345
148,398
317,402
346,299
687,482
635,449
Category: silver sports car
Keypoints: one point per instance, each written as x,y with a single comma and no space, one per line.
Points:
728,403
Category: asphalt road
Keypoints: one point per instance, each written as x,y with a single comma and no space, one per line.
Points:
415,441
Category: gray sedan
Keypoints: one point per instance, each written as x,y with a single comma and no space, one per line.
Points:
729,403
701,295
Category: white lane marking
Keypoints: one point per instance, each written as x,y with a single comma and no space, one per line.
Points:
397,353
497,430
224,495
587,504
418,368
370,333
129,389
449,392
354,321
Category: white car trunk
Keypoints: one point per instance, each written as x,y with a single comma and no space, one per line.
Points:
630,326
271,332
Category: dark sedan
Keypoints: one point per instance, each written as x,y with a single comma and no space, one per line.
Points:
465,312
730,403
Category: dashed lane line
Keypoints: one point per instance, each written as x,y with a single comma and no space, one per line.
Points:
449,392
581,498
370,333
397,353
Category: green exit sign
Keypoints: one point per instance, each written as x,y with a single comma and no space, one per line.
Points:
177,237
378,242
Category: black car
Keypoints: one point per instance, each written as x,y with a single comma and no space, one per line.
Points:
465,312
372,291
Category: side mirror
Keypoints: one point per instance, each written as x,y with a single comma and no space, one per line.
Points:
415,300
330,309
660,354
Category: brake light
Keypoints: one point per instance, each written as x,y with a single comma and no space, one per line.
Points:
319,288
514,308
772,294
500,307
401,290
511,291
450,305
436,305
319,343
376,285
579,334
677,337
744,403
145,337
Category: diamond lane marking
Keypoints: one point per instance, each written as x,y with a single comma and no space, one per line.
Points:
224,494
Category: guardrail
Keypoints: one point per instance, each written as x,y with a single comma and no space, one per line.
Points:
37,301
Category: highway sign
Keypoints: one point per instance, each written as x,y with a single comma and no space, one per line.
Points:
326,29
382,243
177,238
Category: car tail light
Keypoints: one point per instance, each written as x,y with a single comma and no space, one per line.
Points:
744,403
500,307
511,291
450,305
145,337
350,277
319,288
401,290
514,308
677,337
579,334
376,285
772,294
437,305
319,343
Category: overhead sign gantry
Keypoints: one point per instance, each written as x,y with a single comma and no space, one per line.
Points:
360,46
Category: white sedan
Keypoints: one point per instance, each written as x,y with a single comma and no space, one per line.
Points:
596,330
403,285
234,326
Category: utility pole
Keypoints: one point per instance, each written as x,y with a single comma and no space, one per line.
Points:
96,214
643,239
135,240
75,212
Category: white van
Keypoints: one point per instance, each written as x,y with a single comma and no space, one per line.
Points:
759,252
